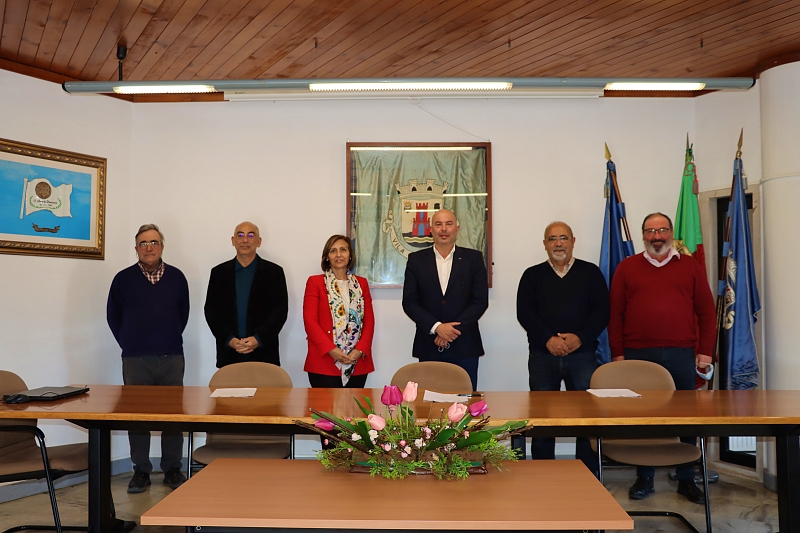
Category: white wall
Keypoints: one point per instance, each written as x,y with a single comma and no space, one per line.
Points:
199,169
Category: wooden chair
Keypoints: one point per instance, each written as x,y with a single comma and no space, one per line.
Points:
21,459
232,445
434,376
644,375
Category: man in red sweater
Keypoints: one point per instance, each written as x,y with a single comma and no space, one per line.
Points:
655,297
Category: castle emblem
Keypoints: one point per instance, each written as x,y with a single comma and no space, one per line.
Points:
418,203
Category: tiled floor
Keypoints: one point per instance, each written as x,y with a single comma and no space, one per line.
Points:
737,505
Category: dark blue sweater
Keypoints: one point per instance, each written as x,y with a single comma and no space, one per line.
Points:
148,319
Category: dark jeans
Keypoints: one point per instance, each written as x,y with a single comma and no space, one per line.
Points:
681,365
154,370
545,372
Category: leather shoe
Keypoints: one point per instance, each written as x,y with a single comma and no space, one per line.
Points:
688,488
174,478
139,481
641,489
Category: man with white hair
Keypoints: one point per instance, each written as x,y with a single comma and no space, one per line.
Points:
563,305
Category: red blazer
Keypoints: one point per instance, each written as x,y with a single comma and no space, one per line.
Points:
319,327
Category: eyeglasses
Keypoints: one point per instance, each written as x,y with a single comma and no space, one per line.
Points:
148,244
561,238
661,231
242,235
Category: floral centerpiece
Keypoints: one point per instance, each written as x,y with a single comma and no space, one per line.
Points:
395,445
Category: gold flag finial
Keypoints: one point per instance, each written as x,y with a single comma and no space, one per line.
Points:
608,154
739,148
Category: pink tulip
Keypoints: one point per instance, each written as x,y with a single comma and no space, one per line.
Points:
377,422
323,424
478,408
456,412
410,392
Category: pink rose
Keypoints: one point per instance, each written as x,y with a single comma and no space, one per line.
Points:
325,425
456,412
410,392
377,422
478,408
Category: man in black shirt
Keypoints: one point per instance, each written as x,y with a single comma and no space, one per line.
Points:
563,305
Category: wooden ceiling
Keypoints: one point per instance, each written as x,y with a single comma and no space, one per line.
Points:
64,40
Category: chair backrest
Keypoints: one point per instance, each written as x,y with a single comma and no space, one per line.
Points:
11,383
630,374
250,374
434,376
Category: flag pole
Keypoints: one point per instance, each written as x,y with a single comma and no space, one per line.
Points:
619,196
723,267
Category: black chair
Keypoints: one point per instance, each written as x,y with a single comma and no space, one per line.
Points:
21,459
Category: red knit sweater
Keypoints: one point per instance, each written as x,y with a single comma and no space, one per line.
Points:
654,307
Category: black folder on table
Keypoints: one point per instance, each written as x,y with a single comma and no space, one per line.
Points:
46,394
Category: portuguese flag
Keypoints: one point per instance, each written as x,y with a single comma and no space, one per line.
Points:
688,235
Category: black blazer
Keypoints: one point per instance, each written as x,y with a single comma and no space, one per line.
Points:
466,300
266,311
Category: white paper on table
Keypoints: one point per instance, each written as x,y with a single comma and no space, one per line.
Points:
248,392
614,393
431,396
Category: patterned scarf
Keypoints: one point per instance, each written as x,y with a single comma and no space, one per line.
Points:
346,324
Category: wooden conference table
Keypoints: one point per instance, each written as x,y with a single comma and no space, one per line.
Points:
656,413
529,495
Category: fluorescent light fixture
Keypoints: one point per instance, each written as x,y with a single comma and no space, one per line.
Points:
406,88
164,89
360,194
468,194
412,86
655,85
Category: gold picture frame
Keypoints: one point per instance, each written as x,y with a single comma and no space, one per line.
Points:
52,202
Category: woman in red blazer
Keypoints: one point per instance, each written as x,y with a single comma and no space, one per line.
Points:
337,313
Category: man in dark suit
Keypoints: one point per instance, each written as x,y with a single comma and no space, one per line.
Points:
246,303
445,293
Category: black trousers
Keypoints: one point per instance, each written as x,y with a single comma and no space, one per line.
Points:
154,370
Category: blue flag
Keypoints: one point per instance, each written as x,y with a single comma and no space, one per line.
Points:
614,248
741,302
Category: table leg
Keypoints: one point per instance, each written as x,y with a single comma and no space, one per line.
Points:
788,472
101,504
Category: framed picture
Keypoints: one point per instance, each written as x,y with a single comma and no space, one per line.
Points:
52,202
393,190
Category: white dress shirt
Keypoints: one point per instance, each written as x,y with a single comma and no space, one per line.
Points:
444,265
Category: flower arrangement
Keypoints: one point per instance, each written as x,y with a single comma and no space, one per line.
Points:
394,446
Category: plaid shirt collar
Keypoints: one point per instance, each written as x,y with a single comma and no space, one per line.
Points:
155,275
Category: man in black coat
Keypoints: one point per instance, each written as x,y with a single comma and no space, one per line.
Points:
445,293
246,303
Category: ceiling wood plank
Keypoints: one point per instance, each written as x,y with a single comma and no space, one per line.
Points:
450,20
195,27
525,27
53,30
334,40
35,21
204,39
91,34
165,38
283,18
242,28
536,57
13,24
76,23
140,44
291,35
143,15
106,47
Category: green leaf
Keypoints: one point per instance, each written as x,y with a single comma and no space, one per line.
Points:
407,413
442,438
369,402
336,420
475,438
364,409
464,421
362,429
